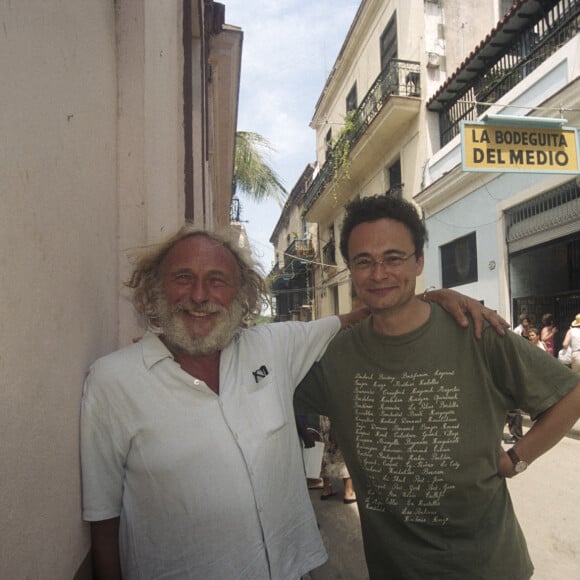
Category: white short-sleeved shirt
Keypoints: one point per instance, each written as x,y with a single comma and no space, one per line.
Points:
206,486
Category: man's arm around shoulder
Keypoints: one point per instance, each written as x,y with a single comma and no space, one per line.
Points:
105,547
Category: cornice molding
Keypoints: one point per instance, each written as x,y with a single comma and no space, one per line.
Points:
450,188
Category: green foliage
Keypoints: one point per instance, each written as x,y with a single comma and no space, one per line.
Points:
253,174
342,145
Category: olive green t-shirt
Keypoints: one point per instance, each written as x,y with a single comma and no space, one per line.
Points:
419,419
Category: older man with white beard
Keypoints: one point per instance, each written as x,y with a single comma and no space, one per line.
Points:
191,463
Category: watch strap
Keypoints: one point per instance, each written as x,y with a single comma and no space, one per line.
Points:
518,463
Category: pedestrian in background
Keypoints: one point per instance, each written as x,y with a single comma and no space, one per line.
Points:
534,338
572,340
548,333
333,466
522,328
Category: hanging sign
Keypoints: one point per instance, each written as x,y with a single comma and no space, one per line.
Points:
531,149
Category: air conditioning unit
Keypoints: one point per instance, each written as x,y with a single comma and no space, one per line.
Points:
433,60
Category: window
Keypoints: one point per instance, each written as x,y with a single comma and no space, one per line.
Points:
389,42
393,180
333,290
459,261
329,249
328,142
351,99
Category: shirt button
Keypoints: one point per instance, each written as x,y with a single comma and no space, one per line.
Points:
236,436
196,382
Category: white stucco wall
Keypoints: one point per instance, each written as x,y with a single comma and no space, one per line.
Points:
481,212
150,133
477,205
91,165
451,30
59,286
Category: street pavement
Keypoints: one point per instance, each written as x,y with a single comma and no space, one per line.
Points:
547,502
340,530
546,499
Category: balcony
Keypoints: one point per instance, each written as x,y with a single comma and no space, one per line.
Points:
297,260
299,249
275,271
374,127
527,36
292,285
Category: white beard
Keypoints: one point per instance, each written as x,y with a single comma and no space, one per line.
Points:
177,336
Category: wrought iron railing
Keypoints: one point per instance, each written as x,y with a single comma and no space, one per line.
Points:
275,271
553,208
528,50
400,78
300,248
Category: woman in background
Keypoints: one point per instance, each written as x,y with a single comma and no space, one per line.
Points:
534,337
333,466
548,333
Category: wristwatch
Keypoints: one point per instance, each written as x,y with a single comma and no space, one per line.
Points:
519,464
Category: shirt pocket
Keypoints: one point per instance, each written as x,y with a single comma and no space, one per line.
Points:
265,406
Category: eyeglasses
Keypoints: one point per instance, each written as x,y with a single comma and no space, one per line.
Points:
391,262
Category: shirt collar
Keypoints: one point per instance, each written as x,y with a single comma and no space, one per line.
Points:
153,349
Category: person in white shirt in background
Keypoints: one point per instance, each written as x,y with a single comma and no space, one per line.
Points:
522,327
572,340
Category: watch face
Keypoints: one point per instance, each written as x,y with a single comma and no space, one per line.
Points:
520,466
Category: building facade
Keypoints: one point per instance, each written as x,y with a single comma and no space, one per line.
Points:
372,126
294,239
509,238
118,120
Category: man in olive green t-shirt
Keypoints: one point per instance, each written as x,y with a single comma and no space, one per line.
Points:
418,408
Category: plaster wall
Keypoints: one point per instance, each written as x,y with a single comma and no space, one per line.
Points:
150,134
480,212
91,166
462,202
450,29
465,26
359,62
58,257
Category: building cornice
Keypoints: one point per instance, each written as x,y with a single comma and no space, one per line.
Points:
450,188
359,29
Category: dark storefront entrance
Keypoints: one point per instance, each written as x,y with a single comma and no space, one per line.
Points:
543,238
547,279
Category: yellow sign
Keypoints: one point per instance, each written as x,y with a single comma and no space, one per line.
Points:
487,147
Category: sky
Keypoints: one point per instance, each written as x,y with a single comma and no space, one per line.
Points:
288,50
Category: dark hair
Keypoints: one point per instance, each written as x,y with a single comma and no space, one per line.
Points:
547,319
376,207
